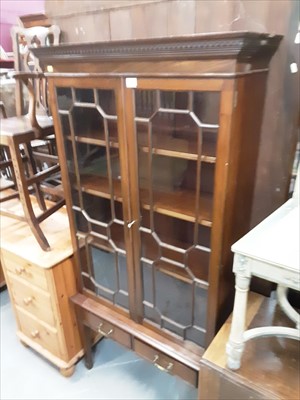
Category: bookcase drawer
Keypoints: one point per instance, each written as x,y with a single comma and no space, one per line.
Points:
107,329
165,362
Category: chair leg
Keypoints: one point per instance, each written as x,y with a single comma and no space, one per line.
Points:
24,196
7,170
32,171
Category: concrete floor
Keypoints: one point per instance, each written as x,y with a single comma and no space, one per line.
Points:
117,373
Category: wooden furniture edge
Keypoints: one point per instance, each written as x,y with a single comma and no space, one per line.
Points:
241,45
137,331
238,379
62,284
47,354
216,352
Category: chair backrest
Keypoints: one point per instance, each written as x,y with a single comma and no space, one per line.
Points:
23,39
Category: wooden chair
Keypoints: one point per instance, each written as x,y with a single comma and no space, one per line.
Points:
22,40
21,138
16,136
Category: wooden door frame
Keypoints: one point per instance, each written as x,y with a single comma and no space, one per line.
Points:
115,84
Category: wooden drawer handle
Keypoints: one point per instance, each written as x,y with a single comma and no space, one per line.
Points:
27,300
165,369
19,270
35,334
102,332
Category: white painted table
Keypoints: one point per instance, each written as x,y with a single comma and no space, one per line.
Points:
269,251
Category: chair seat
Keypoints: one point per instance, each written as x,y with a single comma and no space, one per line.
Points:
21,126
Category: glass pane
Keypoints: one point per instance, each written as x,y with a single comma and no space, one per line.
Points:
146,103
175,303
206,106
122,294
149,246
81,222
117,235
84,95
105,273
88,122
171,133
96,208
174,186
106,101
91,159
112,127
64,98
174,100
197,260
90,131
174,298
172,239
110,276
65,125
166,173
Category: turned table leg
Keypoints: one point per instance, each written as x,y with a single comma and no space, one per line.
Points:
235,344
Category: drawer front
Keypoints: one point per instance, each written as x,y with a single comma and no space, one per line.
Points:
32,299
46,337
24,270
106,329
165,363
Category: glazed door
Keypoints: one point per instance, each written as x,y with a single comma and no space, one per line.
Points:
176,132
90,144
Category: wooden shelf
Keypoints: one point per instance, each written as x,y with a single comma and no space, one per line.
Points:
103,244
175,147
181,274
99,186
168,146
180,204
168,268
96,138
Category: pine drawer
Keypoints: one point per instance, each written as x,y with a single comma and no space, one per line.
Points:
24,270
42,334
32,299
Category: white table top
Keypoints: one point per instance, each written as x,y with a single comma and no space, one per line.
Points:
276,239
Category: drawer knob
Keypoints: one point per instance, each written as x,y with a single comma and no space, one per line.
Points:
102,332
167,369
35,334
19,270
27,300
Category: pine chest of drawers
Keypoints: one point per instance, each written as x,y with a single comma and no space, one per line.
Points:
40,284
